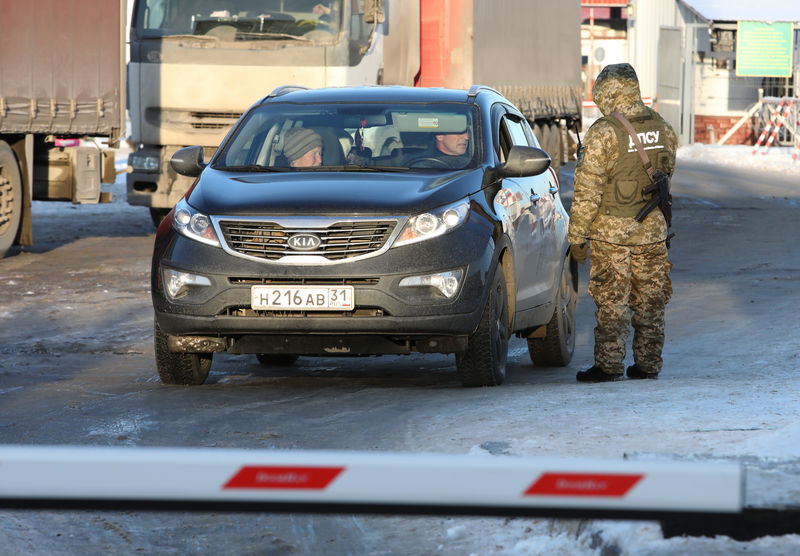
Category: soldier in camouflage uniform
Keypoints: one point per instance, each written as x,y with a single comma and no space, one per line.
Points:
629,266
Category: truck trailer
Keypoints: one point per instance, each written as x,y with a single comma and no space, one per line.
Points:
62,65
195,67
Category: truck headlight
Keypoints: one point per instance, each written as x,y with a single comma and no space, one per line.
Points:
142,162
434,223
193,224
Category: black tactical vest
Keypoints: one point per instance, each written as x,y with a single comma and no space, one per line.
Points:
623,192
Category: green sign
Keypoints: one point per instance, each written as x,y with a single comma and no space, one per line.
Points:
764,49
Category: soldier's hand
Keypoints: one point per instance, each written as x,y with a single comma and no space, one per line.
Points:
579,252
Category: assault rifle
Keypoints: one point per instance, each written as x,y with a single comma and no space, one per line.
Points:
659,182
661,198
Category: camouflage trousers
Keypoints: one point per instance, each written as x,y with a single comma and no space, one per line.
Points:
630,285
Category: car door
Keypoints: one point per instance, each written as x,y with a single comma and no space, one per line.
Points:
525,209
550,256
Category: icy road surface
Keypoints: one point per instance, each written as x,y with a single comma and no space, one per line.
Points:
77,368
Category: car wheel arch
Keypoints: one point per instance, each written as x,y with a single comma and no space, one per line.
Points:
507,262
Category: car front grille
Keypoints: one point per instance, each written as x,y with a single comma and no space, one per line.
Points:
338,241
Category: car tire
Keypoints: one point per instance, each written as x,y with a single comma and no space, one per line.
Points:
558,345
10,198
180,368
484,361
277,359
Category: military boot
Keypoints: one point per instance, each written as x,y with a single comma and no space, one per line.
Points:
597,374
634,371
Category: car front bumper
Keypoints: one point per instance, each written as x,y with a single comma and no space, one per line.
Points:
387,318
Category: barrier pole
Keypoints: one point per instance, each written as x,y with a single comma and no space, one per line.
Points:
209,478
768,127
777,128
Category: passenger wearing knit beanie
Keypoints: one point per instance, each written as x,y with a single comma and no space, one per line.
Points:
298,142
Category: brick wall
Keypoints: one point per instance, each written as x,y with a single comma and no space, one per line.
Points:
745,135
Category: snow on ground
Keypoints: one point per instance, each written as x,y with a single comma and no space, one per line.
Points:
524,538
776,159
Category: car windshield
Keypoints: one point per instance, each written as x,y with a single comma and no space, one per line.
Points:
374,136
239,20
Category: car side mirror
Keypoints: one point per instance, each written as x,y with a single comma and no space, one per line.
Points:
188,161
525,161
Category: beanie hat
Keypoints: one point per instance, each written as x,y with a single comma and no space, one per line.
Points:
298,141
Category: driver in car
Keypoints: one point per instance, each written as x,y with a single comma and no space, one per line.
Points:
450,149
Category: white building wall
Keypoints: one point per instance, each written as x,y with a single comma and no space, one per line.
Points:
644,22
719,92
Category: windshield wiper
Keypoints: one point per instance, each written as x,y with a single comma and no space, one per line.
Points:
363,168
252,168
239,35
185,37
261,36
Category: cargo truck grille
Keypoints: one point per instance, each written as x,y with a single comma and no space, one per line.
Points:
214,120
336,242
187,120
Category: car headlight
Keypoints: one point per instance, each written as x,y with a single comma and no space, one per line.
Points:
193,224
141,162
434,223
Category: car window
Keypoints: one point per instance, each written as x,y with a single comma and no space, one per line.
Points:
512,132
529,134
430,137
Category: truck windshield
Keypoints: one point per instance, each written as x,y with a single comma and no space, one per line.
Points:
239,20
372,137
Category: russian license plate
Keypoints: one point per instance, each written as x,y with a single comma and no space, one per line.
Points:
302,298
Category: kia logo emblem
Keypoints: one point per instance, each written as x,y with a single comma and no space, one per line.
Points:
304,242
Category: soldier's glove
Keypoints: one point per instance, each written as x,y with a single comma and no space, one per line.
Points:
579,252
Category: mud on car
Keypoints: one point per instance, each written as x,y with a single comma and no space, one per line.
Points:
386,247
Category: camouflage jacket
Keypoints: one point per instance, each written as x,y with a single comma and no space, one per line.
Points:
616,89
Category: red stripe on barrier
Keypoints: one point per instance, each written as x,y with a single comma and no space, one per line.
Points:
254,476
583,484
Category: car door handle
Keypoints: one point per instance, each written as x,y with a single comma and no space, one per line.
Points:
553,190
535,198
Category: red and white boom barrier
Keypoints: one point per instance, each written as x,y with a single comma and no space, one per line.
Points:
204,478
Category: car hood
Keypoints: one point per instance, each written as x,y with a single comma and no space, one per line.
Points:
331,193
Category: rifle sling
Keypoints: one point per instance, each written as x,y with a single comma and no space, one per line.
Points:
648,166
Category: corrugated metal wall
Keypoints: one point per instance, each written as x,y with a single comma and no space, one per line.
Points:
527,42
61,66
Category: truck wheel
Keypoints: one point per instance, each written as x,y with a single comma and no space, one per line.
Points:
277,359
10,197
537,132
157,215
180,368
555,154
484,361
558,345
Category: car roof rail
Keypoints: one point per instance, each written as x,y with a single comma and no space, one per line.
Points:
475,89
283,90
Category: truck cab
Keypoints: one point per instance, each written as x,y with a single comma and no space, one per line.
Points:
195,67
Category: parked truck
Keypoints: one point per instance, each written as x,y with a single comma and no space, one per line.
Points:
62,80
195,67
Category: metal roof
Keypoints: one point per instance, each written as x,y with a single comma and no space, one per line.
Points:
736,10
